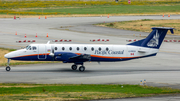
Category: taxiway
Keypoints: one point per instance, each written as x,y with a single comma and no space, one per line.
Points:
161,70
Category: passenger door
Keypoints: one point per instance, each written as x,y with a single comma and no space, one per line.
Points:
42,52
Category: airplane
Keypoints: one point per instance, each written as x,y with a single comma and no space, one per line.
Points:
80,53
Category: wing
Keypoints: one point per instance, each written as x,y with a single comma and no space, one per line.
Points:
71,57
82,57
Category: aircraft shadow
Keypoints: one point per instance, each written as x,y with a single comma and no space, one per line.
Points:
86,71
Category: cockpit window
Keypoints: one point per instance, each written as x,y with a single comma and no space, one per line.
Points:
28,47
33,48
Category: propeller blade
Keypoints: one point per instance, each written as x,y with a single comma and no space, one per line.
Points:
52,53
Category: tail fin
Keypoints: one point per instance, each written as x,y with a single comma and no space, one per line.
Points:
154,39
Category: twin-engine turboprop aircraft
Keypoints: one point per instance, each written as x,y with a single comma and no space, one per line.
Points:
80,53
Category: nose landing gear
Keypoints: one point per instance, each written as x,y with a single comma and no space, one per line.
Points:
8,68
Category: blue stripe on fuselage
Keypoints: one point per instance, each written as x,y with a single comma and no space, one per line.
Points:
33,58
49,58
123,59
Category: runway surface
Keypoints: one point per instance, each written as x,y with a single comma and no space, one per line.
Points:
161,70
158,71
78,29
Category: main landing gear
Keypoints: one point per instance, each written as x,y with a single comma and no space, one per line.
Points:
81,68
74,67
8,68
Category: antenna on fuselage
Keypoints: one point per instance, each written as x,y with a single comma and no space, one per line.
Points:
48,42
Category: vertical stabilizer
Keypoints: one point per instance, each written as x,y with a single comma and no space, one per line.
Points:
154,39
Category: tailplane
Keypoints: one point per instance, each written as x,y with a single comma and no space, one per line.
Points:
154,39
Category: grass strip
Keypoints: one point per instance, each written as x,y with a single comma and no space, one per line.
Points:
78,91
69,7
7,49
144,25
94,9
35,3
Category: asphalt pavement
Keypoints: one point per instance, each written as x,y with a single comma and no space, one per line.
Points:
162,70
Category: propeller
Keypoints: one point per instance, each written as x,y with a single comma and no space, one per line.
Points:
52,53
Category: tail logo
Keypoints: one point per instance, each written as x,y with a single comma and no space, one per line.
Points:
154,42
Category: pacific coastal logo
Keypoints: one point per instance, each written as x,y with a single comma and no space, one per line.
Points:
108,52
154,42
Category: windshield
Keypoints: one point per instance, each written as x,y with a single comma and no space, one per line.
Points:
28,47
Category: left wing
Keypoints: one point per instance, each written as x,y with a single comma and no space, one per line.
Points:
82,57
71,57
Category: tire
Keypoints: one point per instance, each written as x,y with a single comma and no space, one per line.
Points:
81,68
74,67
8,68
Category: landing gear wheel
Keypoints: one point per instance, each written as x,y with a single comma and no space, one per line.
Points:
81,68
74,67
8,68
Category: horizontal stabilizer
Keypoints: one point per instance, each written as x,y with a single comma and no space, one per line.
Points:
142,51
164,28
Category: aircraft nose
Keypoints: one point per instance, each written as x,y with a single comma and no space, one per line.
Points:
6,56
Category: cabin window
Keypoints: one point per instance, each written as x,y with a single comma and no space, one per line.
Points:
99,48
77,48
92,48
33,48
55,48
85,48
63,48
107,48
70,48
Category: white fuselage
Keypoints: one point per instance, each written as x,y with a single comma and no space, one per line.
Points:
97,52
